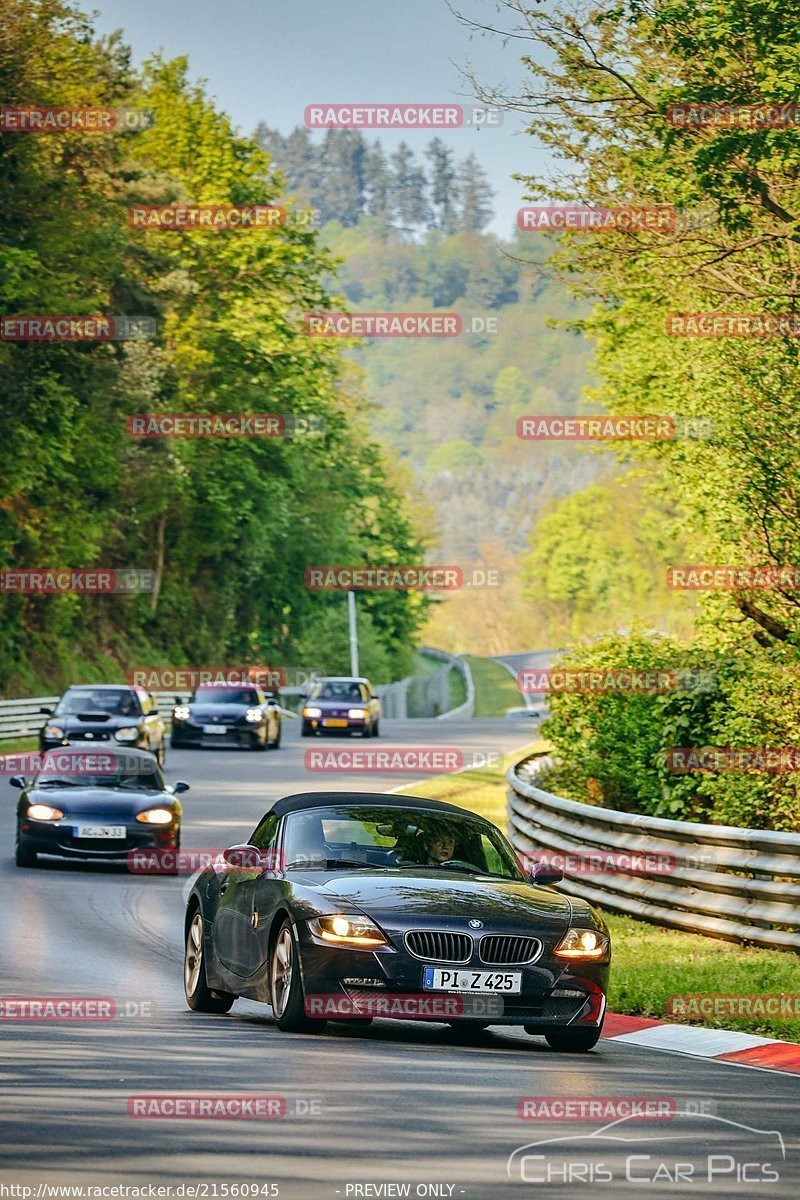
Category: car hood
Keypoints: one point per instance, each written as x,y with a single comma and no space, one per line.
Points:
327,705
74,724
425,898
106,801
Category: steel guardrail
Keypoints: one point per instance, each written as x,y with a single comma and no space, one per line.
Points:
741,885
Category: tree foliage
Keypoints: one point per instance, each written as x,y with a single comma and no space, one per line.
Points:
229,526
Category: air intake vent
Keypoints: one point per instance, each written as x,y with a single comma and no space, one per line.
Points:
436,946
503,950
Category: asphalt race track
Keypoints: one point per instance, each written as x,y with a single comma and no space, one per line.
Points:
412,1106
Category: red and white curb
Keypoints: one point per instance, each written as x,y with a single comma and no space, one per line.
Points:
724,1045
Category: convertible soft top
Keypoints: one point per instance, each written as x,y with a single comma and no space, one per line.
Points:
301,800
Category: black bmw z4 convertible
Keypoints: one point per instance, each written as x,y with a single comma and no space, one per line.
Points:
344,906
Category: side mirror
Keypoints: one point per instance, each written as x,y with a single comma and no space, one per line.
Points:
544,873
48,712
244,857
180,785
17,781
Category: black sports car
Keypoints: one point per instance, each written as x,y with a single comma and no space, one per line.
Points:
346,906
101,713
228,714
97,806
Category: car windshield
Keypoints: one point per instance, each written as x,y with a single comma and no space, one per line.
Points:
225,695
389,838
131,776
337,689
120,702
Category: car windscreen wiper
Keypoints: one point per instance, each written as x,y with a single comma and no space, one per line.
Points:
60,783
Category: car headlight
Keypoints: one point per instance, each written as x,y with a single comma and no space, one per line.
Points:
155,816
253,714
582,943
181,713
356,712
129,734
312,712
43,812
54,731
347,930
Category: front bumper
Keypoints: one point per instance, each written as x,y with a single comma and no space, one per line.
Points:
57,839
554,993
346,724
186,734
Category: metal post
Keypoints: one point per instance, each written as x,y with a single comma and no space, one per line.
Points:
351,610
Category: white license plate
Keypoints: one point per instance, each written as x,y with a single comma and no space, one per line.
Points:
438,979
215,729
100,831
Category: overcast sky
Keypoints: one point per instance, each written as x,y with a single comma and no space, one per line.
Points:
266,60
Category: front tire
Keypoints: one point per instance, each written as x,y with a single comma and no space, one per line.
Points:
286,986
306,730
573,1041
199,995
161,754
376,729
24,856
276,744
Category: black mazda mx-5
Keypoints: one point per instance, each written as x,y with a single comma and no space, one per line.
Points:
346,906
96,806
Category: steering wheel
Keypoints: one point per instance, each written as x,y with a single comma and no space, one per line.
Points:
459,862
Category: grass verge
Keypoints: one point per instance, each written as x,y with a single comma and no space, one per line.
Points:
495,689
651,964
19,745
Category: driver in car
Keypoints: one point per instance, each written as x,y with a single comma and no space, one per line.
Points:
441,849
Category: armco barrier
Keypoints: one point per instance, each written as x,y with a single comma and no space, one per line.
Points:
742,885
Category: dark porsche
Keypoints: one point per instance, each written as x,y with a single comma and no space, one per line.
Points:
345,906
226,714
96,806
